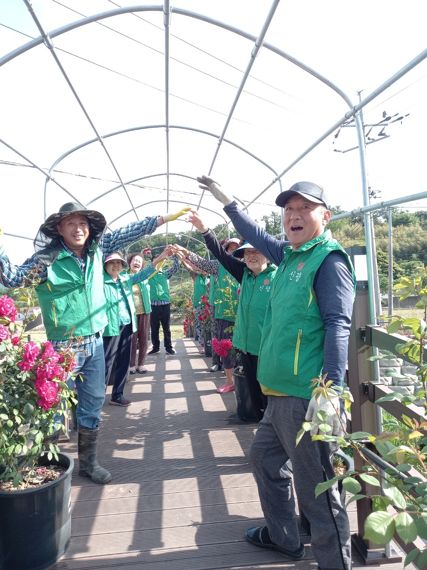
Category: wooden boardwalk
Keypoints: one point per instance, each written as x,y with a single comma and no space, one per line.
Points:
182,493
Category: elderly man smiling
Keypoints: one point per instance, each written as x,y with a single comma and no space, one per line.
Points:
305,335
67,273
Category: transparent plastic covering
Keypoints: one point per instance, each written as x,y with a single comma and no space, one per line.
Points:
121,105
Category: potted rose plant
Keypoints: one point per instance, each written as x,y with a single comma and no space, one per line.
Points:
34,398
399,470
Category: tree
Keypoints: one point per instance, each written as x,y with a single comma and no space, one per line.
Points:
273,223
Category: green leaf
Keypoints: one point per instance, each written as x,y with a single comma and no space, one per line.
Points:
411,556
379,527
355,436
370,480
421,524
394,326
354,498
322,487
351,485
406,527
380,503
421,561
396,496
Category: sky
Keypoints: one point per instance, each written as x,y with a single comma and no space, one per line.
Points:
112,75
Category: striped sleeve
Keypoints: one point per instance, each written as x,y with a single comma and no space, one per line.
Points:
122,237
31,272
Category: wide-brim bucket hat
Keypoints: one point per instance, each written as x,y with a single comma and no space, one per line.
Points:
97,222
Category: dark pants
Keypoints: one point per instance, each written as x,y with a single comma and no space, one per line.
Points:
273,445
258,399
140,339
161,315
117,359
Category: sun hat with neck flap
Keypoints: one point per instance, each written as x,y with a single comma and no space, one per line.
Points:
96,220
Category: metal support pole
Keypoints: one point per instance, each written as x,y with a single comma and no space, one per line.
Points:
364,413
390,262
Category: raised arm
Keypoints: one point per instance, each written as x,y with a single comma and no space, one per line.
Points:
233,265
31,272
271,247
209,266
126,235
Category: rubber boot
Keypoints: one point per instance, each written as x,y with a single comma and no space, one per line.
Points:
88,463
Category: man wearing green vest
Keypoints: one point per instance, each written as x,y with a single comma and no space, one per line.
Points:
161,307
68,275
305,336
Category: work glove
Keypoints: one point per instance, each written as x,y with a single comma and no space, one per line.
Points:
325,410
171,217
207,183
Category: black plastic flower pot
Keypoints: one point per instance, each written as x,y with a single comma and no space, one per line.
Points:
35,524
246,409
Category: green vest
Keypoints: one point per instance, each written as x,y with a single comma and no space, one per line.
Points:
113,325
159,287
73,302
253,300
291,352
225,296
199,289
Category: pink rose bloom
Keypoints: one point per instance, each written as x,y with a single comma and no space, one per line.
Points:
4,333
49,352
219,348
49,371
31,352
7,308
48,392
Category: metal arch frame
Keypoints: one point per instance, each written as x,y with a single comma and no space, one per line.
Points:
175,202
47,41
354,110
158,126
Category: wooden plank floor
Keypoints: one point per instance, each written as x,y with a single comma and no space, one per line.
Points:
182,493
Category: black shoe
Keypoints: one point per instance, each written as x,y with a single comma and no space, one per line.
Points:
120,401
153,351
170,351
259,536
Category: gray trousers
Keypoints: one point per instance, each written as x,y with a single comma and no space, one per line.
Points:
273,445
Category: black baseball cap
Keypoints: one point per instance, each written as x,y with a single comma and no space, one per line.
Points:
308,190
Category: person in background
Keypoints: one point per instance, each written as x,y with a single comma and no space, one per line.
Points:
255,274
216,359
121,324
200,289
67,273
224,302
161,307
304,338
141,299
